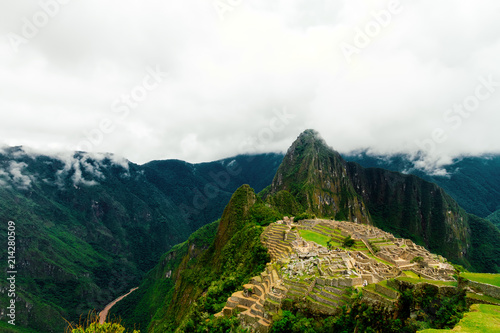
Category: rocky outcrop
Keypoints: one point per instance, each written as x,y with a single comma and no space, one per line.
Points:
316,176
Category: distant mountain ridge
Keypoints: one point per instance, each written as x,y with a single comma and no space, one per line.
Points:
473,181
90,225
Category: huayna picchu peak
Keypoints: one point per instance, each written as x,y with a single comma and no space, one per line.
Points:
326,245
316,176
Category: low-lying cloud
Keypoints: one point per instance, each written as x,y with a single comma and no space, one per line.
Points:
226,77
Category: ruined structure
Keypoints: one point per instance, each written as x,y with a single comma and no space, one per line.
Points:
322,278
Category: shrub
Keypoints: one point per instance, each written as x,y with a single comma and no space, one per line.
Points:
91,325
348,241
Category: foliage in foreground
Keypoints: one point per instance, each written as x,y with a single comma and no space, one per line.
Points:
92,325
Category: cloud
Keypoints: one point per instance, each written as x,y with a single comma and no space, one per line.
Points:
226,77
81,168
14,174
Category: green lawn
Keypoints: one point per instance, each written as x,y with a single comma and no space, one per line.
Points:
481,318
493,279
411,274
436,282
312,236
484,298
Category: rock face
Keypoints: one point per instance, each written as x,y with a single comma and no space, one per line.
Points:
317,177
327,186
413,208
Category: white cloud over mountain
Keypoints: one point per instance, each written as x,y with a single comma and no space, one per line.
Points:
93,76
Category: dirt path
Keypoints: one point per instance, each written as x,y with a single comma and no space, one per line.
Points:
104,313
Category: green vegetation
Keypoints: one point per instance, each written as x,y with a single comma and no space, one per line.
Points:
433,311
202,278
375,246
285,203
8,328
481,318
417,259
484,253
358,316
493,279
494,218
348,242
411,274
312,236
483,298
471,181
89,229
95,327
264,215
332,243
435,282
302,216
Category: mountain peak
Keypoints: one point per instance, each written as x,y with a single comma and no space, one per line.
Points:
308,137
316,176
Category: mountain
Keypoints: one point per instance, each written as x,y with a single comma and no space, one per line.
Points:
196,277
474,182
89,226
495,218
317,177
325,185
193,281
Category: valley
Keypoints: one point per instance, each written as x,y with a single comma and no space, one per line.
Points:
323,241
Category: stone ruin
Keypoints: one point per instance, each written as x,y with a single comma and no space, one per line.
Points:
312,274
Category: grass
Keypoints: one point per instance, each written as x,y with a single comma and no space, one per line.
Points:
384,284
481,318
325,229
410,274
493,279
483,298
378,259
320,239
371,287
435,282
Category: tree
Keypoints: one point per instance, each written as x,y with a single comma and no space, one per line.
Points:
330,243
348,241
419,260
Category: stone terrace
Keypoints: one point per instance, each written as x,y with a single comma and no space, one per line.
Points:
322,278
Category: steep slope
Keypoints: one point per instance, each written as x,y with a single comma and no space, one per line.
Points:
495,218
195,278
413,208
317,177
474,182
90,226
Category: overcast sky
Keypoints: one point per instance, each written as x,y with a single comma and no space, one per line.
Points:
200,80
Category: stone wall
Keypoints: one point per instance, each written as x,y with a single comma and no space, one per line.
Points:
486,289
386,291
386,258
